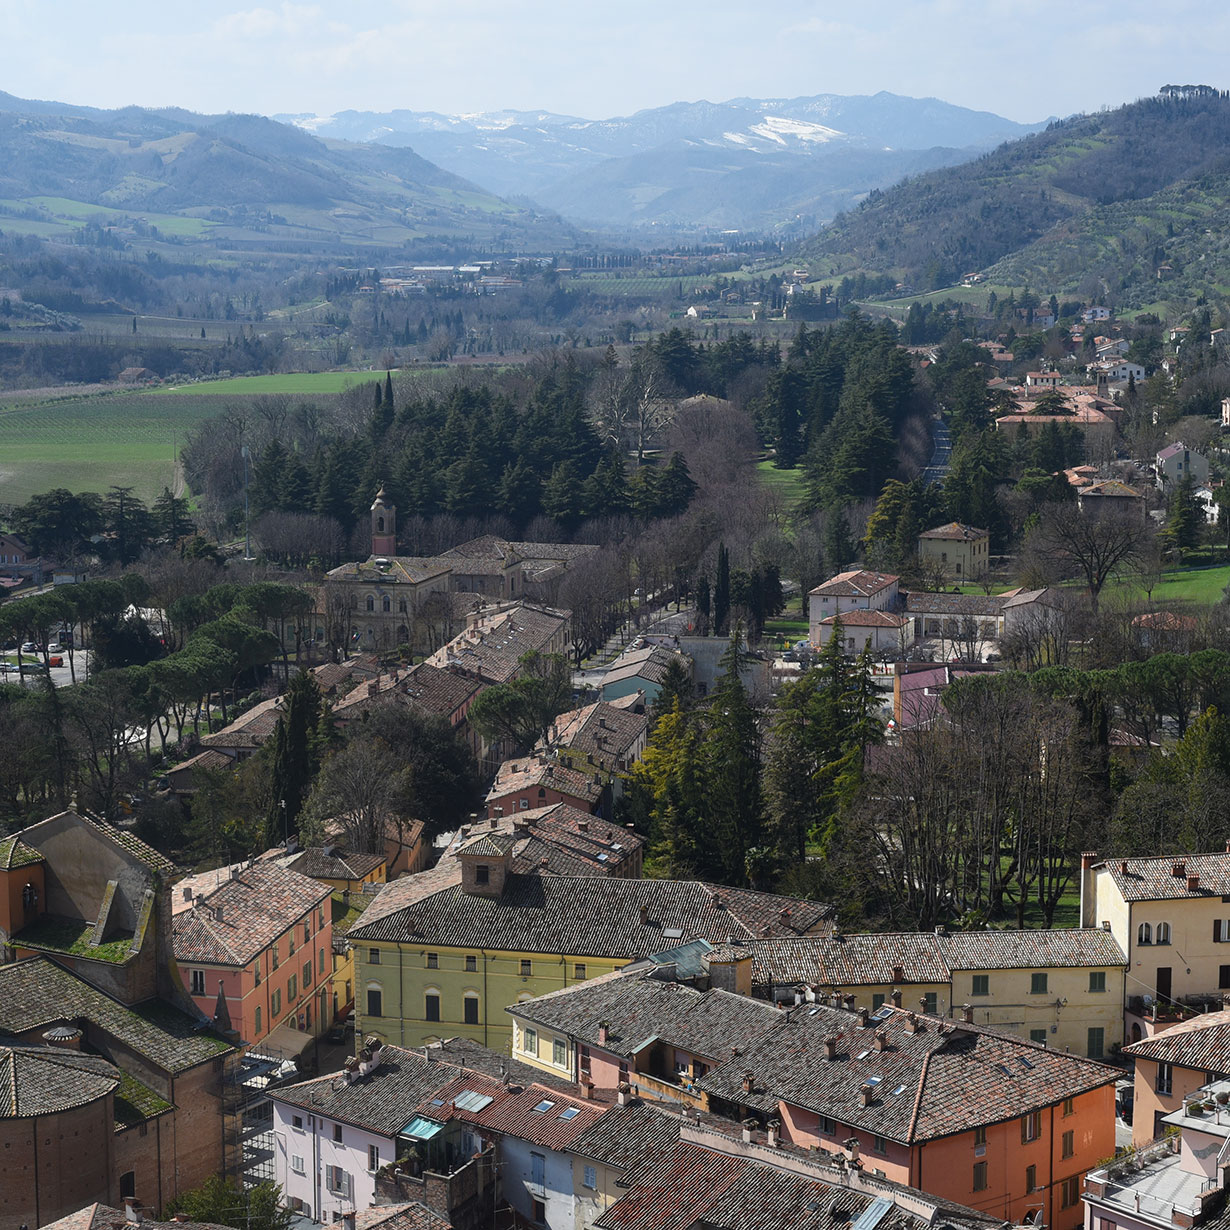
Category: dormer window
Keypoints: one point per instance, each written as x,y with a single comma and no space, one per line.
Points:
482,874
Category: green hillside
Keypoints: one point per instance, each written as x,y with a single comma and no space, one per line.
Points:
1129,204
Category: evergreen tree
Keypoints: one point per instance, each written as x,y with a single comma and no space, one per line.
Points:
171,516
294,756
1184,523
721,592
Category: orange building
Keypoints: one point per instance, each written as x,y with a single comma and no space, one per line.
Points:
981,1118
254,946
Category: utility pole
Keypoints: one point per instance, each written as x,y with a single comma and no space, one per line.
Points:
247,536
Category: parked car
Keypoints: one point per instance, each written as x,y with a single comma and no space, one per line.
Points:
29,647
55,660
54,647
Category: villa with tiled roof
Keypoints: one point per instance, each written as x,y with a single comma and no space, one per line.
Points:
443,953
854,590
962,552
934,1104
542,780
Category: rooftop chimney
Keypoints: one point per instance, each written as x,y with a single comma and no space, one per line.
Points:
644,913
747,1082
715,900
911,1022
895,996
623,1093
583,825
187,892
1179,870
865,1092
604,1032
967,1014
863,1016
1193,883
1123,862
132,1209
922,1003
830,1048
849,1002
218,913
772,1128
898,973
881,1040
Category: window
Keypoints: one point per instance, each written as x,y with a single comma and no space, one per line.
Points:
256,1021
1097,980
827,1126
385,604
482,874
275,954
542,1107
433,960
526,967
877,1002
296,1121
292,988
373,956
1069,1144
337,1180
198,982
1162,935
470,1009
322,960
1097,1038
1221,931
307,973
980,1176
590,1178
290,943
529,1041
982,984
1031,1126
1071,1191
320,918
931,1002
1037,983
371,603
375,1001
471,965
583,1060
1038,1035
296,1164
337,1133
373,1157
1069,1107
1165,1078
1223,977
401,605
980,1137
578,971
307,931
431,1006
257,970
1144,934
538,1170
879,1145
539,1210
275,1002
1031,1178
559,1052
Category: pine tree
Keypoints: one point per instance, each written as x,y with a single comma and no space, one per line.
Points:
721,592
294,757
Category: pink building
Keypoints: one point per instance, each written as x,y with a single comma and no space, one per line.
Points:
254,948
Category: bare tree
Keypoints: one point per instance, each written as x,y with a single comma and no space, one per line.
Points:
361,787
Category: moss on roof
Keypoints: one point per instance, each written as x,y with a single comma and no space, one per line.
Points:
15,853
51,933
135,1103
347,913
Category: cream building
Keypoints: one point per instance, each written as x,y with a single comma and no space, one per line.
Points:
1171,916
962,551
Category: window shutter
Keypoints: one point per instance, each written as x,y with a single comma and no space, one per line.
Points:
1025,1130
1217,931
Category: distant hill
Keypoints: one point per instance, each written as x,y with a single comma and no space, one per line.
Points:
233,173
747,163
1130,205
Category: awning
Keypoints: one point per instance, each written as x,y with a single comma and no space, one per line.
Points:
285,1042
421,1129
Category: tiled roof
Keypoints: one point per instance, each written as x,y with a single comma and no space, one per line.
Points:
250,729
258,905
409,1216
1071,947
440,693
1155,878
866,619
937,1081
36,993
474,1057
561,552
650,664
487,844
43,1080
640,1007
401,570
333,863
603,733
1202,1043
493,649
924,957
1165,621
857,583
210,758
15,853
103,1217
541,1115
626,1135
130,843
954,531
582,915
1112,488
546,773
953,604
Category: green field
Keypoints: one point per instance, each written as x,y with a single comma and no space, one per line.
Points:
791,485
289,382
1197,585
92,443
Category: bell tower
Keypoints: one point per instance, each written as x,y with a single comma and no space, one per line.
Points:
384,526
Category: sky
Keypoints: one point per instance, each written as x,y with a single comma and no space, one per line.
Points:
1023,61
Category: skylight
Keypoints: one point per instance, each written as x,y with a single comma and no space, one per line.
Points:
571,1113
898,1091
1024,1062
1003,1068
603,857
672,933
862,1054
883,1014
542,1108
874,1080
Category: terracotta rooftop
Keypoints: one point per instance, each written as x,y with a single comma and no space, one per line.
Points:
257,905
334,863
44,1080
543,773
602,733
493,648
866,619
954,531
1203,1043
15,853
1165,878
650,663
855,584
250,729
408,1216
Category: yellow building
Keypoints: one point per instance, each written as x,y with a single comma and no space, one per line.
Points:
441,954
962,551
1063,988
1171,916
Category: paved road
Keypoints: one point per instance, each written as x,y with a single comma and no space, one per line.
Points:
941,453
61,676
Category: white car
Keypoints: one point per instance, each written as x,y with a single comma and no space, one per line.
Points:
54,647
29,647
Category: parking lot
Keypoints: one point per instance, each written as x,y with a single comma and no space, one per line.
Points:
61,676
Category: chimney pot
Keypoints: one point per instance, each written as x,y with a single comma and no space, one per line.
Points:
747,1082
895,996
922,1003
881,1040
967,1014
644,914
1179,870
911,1023
863,1016
1193,883
830,1048
898,973
865,1092
849,1002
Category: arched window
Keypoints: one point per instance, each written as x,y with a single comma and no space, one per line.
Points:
380,525
375,999
431,1004
385,604
1144,934
401,605
1163,933
371,603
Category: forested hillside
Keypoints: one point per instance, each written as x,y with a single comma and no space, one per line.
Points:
1107,201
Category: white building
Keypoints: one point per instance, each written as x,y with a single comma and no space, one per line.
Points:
856,590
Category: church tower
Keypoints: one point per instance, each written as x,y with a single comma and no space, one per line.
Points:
384,526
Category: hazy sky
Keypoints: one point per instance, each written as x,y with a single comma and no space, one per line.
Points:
1025,61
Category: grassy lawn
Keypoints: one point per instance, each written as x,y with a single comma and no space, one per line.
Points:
288,382
92,443
68,935
1195,585
791,484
